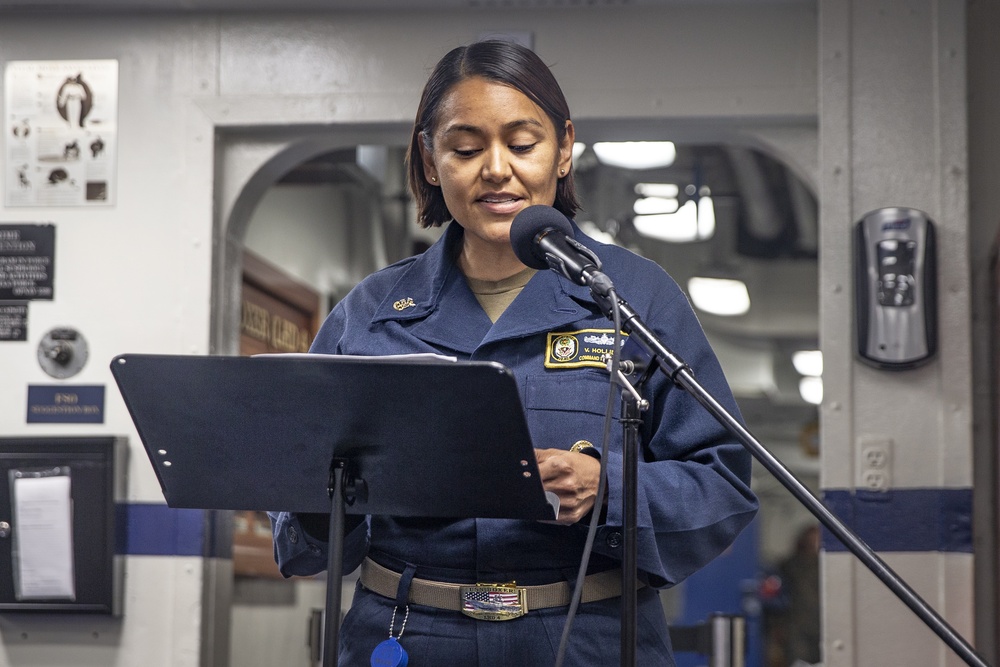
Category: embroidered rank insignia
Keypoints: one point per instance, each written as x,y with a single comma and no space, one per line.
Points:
579,349
403,304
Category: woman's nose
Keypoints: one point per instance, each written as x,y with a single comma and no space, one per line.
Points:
496,165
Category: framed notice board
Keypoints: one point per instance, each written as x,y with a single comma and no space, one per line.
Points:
57,524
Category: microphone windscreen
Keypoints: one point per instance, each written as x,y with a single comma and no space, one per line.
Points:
527,225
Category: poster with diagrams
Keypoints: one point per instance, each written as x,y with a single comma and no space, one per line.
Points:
61,130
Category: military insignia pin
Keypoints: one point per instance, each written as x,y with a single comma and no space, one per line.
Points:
403,304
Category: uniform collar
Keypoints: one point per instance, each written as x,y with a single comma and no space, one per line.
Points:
418,291
433,278
546,303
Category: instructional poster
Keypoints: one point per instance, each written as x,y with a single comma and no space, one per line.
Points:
61,130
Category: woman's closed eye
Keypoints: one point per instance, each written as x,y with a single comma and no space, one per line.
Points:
514,148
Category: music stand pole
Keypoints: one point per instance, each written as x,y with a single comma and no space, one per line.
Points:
335,564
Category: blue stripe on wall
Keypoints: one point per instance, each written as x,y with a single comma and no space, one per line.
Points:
904,519
157,530
912,520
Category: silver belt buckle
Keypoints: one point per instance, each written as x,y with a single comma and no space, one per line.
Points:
494,602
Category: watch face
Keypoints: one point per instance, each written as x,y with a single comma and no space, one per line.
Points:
586,447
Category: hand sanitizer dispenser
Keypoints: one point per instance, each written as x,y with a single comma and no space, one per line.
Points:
895,288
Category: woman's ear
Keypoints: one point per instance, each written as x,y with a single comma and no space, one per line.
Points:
566,149
430,171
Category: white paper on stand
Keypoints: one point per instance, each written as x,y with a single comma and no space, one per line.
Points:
416,357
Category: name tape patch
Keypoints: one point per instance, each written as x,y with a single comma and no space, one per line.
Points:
579,349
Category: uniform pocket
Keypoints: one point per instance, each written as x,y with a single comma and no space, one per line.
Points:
568,391
566,406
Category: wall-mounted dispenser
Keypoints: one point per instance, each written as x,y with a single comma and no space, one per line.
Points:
895,288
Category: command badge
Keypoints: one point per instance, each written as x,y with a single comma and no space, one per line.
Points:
564,348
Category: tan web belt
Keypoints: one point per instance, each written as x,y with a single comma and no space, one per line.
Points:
490,601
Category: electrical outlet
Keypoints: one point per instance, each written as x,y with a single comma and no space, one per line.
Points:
875,458
875,464
874,480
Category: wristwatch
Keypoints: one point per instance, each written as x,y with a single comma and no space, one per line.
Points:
586,447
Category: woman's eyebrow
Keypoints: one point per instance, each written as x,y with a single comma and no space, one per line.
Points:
475,129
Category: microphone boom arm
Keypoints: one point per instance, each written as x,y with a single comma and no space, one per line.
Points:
682,376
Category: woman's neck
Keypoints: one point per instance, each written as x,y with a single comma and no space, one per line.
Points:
488,261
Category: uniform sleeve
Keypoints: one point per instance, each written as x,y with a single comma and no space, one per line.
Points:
301,542
693,492
301,546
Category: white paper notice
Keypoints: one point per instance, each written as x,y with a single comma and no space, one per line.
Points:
61,132
43,533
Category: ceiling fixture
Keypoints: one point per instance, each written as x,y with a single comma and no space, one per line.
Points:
811,390
706,216
665,190
808,362
655,205
719,296
660,216
678,227
636,154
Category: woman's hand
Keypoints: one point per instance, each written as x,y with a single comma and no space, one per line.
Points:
571,476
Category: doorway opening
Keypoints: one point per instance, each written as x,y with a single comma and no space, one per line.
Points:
327,213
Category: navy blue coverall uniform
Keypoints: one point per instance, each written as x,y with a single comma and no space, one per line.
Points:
694,492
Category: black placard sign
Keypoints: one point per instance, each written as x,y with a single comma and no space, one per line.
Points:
13,321
27,255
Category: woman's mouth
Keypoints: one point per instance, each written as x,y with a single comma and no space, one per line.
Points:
498,198
501,203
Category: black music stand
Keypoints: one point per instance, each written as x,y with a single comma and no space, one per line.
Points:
401,436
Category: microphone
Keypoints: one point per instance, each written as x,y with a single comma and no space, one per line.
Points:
542,238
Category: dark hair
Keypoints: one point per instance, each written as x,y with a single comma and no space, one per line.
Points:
506,63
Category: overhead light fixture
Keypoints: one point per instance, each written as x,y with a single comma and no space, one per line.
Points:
578,149
811,390
660,218
808,362
719,296
655,205
678,227
665,190
636,154
706,217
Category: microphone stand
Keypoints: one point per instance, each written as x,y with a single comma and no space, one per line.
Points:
681,375
632,405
